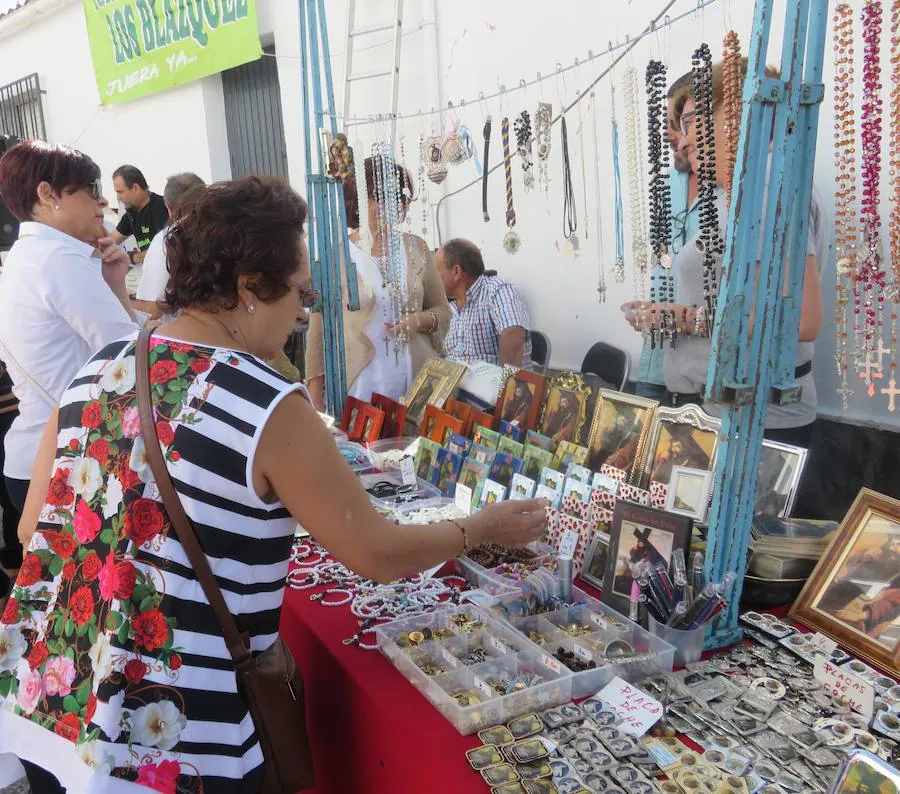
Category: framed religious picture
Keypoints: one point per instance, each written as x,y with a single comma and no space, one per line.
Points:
689,492
368,422
521,398
619,431
685,436
394,415
640,534
595,560
434,385
564,413
853,595
463,412
780,469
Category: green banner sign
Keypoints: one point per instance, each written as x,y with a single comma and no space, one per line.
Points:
140,47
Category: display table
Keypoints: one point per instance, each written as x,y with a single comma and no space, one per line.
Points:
371,731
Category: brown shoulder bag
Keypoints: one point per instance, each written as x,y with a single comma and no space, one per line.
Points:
269,682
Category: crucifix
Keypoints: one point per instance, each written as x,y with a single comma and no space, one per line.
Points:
846,392
891,391
871,370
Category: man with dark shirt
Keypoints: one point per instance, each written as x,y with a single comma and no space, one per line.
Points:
145,212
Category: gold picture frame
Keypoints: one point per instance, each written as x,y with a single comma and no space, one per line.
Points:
434,385
619,430
685,436
565,423
852,594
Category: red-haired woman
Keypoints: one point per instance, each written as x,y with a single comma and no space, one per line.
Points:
62,295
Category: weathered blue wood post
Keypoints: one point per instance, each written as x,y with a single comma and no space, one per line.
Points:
329,246
755,335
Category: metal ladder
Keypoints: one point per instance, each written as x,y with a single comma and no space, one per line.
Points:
394,72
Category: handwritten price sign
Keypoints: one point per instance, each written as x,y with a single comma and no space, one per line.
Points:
840,682
636,709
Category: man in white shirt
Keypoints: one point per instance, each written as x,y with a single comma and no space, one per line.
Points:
155,275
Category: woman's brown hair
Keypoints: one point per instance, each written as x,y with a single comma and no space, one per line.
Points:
248,227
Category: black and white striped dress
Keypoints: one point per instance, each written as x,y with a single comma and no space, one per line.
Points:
113,669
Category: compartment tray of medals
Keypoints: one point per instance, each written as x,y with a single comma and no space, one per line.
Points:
476,670
589,638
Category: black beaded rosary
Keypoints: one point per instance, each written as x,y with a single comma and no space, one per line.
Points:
710,241
662,285
524,139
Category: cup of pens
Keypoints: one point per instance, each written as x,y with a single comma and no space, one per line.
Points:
688,644
678,606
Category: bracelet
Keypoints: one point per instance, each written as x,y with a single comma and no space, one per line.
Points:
434,322
465,535
699,321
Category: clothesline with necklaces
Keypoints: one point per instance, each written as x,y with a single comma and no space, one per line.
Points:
629,45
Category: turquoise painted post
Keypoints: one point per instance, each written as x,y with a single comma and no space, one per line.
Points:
758,313
328,243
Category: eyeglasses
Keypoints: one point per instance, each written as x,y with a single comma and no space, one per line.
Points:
687,121
679,230
308,297
95,188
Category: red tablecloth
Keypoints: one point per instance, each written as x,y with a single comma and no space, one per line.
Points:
371,731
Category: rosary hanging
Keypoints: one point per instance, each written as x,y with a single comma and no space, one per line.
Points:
389,206
524,140
846,232
635,181
619,215
892,293
601,275
487,169
662,284
542,120
511,241
570,212
731,101
710,241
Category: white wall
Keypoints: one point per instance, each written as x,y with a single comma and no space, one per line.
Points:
485,45
449,53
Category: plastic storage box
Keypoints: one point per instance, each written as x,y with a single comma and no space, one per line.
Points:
487,579
376,450
424,492
449,664
586,628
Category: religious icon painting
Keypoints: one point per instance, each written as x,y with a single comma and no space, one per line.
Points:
568,453
507,444
504,467
564,413
539,440
473,475
640,534
619,430
485,437
780,469
689,493
522,487
535,461
521,398
595,560
434,385
685,436
426,457
491,493
446,471
853,595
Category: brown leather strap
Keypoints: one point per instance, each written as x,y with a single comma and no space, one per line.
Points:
236,642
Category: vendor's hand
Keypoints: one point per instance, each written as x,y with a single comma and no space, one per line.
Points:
407,325
115,262
634,312
513,523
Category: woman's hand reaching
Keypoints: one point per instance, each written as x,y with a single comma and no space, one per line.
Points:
512,524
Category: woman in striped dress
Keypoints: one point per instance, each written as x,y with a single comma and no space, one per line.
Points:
114,675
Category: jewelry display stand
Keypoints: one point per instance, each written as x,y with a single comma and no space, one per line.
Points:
753,362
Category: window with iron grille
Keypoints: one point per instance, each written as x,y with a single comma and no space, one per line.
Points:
21,111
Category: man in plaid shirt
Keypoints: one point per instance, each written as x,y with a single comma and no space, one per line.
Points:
489,322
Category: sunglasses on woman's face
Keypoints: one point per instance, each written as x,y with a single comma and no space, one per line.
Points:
95,188
308,297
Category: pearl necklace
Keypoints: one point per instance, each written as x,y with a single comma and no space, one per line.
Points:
369,601
635,181
893,292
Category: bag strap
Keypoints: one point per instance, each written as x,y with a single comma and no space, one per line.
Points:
42,392
237,643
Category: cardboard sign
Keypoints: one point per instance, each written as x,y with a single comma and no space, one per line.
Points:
408,471
840,682
637,711
822,643
462,498
567,543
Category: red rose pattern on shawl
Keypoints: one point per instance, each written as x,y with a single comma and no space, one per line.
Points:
78,589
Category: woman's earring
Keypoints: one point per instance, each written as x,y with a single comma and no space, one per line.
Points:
56,206
251,307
